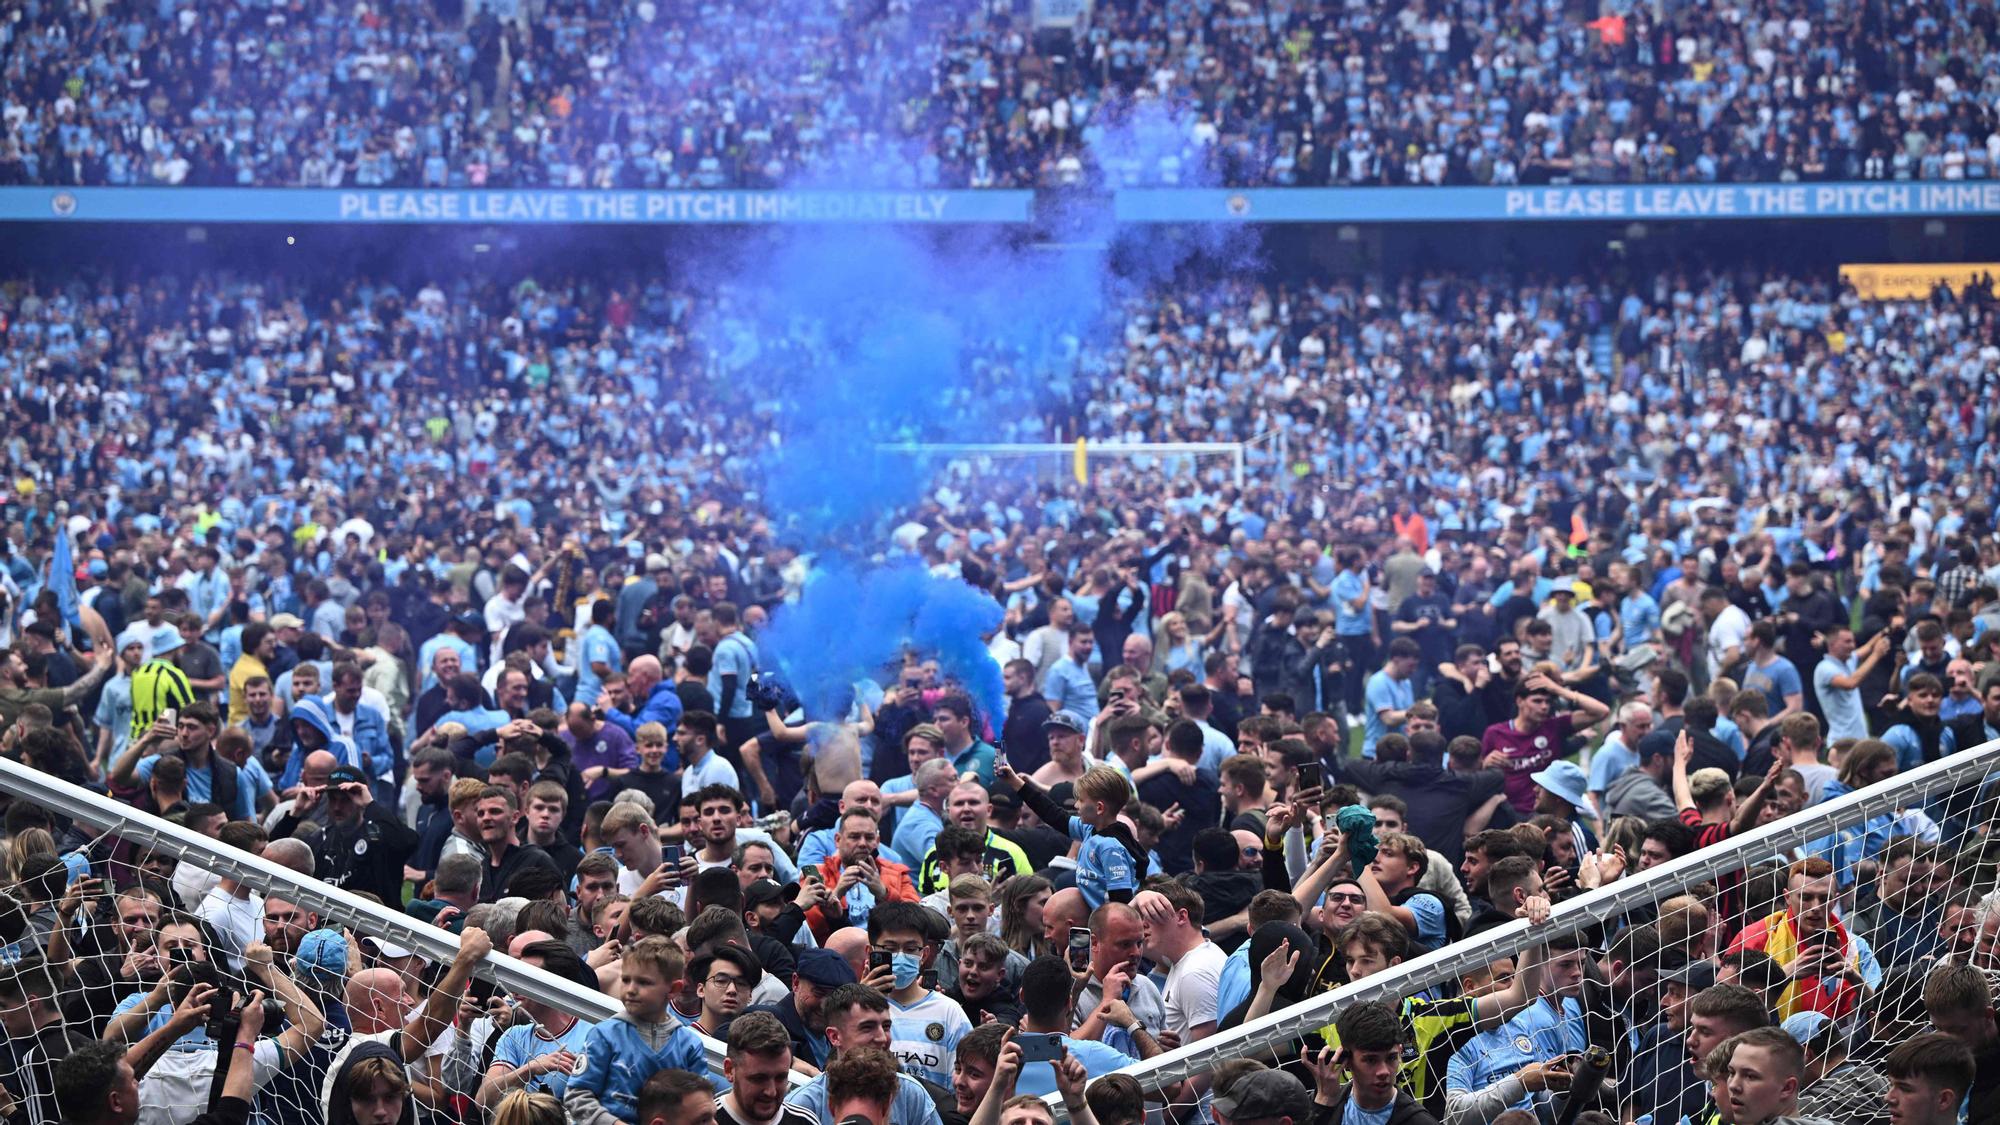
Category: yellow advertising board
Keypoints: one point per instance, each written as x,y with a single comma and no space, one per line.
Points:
1899,281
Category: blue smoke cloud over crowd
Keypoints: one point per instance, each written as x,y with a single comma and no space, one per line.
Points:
951,336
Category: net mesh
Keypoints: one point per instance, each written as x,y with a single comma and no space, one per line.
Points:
115,940
1821,904
1816,899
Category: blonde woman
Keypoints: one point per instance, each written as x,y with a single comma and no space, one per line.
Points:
1178,648
524,1108
27,842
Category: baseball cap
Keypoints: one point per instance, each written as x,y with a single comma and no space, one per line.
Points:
343,775
823,968
1803,1026
388,949
1265,1094
1068,720
1565,780
1695,976
321,952
657,563
286,621
767,890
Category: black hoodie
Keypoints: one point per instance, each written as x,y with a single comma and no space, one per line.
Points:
339,1107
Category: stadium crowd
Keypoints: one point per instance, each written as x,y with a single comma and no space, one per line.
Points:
596,94
455,601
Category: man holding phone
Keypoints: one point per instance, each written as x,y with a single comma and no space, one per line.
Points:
1044,1036
860,879
1829,966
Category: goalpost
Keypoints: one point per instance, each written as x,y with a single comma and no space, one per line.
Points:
335,906
1059,461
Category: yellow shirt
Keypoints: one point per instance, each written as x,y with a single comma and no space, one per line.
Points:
247,668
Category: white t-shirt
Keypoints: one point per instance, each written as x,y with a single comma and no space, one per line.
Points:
1728,631
175,1091
237,922
1192,985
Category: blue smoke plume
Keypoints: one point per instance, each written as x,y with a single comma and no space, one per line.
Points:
950,335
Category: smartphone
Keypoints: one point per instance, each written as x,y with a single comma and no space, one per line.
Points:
170,715
1079,948
671,853
1040,1046
878,960
1309,776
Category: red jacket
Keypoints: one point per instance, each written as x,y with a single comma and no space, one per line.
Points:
896,884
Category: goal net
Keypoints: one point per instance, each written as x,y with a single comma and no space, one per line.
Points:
1820,901
1100,463
153,934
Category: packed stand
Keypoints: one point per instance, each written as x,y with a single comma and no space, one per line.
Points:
592,94
1758,398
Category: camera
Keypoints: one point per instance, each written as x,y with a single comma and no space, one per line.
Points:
766,692
230,994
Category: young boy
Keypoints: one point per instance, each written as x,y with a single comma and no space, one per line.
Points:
1928,1077
924,1026
625,1050
1107,867
652,777
1371,1055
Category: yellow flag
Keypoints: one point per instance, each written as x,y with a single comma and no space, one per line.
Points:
1079,463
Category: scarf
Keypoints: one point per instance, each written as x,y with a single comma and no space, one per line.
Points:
1835,996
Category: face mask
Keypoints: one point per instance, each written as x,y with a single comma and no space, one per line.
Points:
906,967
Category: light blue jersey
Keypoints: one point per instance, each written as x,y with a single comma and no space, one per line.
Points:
925,1036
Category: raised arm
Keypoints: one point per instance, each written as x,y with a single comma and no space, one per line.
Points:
304,1016
439,1011
1496,1008
1683,754
1747,811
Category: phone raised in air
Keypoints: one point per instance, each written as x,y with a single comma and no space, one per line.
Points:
1309,777
1079,948
1040,1046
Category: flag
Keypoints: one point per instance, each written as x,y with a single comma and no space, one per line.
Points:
1611,29
1579,530
1080,463
62,579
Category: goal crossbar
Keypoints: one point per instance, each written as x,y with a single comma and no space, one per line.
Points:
1261,1035
333,904
1236,451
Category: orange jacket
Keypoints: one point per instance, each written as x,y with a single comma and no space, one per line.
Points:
896,884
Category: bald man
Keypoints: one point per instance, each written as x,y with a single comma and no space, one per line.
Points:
378,1005
818,844
655,698
317,770
1064,910
852,944
524,940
